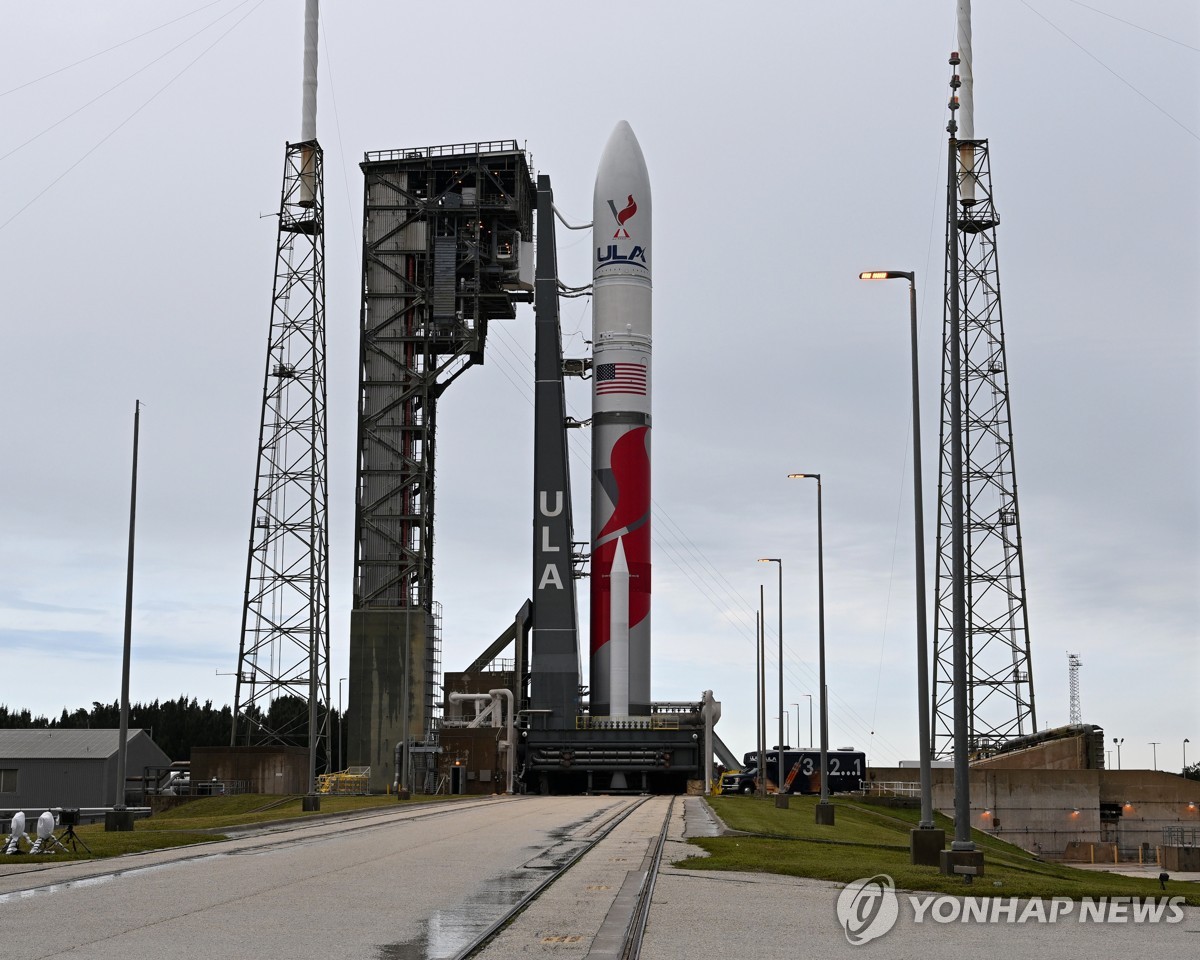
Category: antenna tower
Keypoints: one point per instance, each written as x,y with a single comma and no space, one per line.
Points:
284,651
1073,665
999,671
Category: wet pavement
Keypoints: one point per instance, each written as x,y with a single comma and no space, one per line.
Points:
374,889
424,883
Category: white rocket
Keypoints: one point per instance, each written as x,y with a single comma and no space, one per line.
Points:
621,354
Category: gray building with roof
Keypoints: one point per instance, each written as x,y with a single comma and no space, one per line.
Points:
69,768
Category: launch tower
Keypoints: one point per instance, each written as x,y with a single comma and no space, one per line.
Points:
447,234
283,658
999,674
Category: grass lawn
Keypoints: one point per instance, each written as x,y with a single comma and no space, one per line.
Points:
869,840
203,819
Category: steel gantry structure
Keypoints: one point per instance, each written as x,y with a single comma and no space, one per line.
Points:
999,669
283,660
447,247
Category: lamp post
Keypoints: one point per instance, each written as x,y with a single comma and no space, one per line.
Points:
824,813
341,766
787,721
761,718
1186,741
1154,746
923,703
1117,743
797,706
119,818
810,736
782,712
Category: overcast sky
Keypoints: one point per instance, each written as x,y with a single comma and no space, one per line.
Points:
790,145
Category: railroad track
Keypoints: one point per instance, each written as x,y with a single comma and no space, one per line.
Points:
620,934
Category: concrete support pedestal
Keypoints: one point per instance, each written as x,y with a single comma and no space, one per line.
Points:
925,846
781,801
118,821
824,814
962,863
311,803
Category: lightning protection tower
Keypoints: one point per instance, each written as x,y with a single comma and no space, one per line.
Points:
282,693
1073,665
999,673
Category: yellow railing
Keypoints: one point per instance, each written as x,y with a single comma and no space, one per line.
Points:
343,784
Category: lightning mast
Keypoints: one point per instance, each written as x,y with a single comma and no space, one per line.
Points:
999,673
1073,665
284,650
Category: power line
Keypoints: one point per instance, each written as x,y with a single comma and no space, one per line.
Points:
115,46
108,136
1175,120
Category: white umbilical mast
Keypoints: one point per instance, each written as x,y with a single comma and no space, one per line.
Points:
966,92
966,105
308,119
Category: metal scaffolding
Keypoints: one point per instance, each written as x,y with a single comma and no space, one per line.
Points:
447,235
999,669
283,657
1073,665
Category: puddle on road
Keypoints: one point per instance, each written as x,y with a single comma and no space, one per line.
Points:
79,884
448,933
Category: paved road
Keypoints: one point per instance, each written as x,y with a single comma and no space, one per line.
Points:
419,883
411,884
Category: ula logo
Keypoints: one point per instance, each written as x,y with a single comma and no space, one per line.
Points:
867,909
623,216
636,256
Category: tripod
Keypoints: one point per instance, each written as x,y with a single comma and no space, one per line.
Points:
70,836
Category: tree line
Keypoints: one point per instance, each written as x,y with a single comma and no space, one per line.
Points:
175,725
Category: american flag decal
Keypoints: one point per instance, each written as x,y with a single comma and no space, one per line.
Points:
621,378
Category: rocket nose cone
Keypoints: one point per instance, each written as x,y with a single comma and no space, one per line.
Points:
622,163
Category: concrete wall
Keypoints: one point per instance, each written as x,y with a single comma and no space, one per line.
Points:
376,713
1045,810
274,770
1069,753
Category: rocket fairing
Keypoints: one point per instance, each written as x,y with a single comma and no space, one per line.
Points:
621,382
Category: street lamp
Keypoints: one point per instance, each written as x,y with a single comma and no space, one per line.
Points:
760,716
341,765
1117,743
810,736
797,706
782,735
824,807
919,526
1154,746
1186,741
